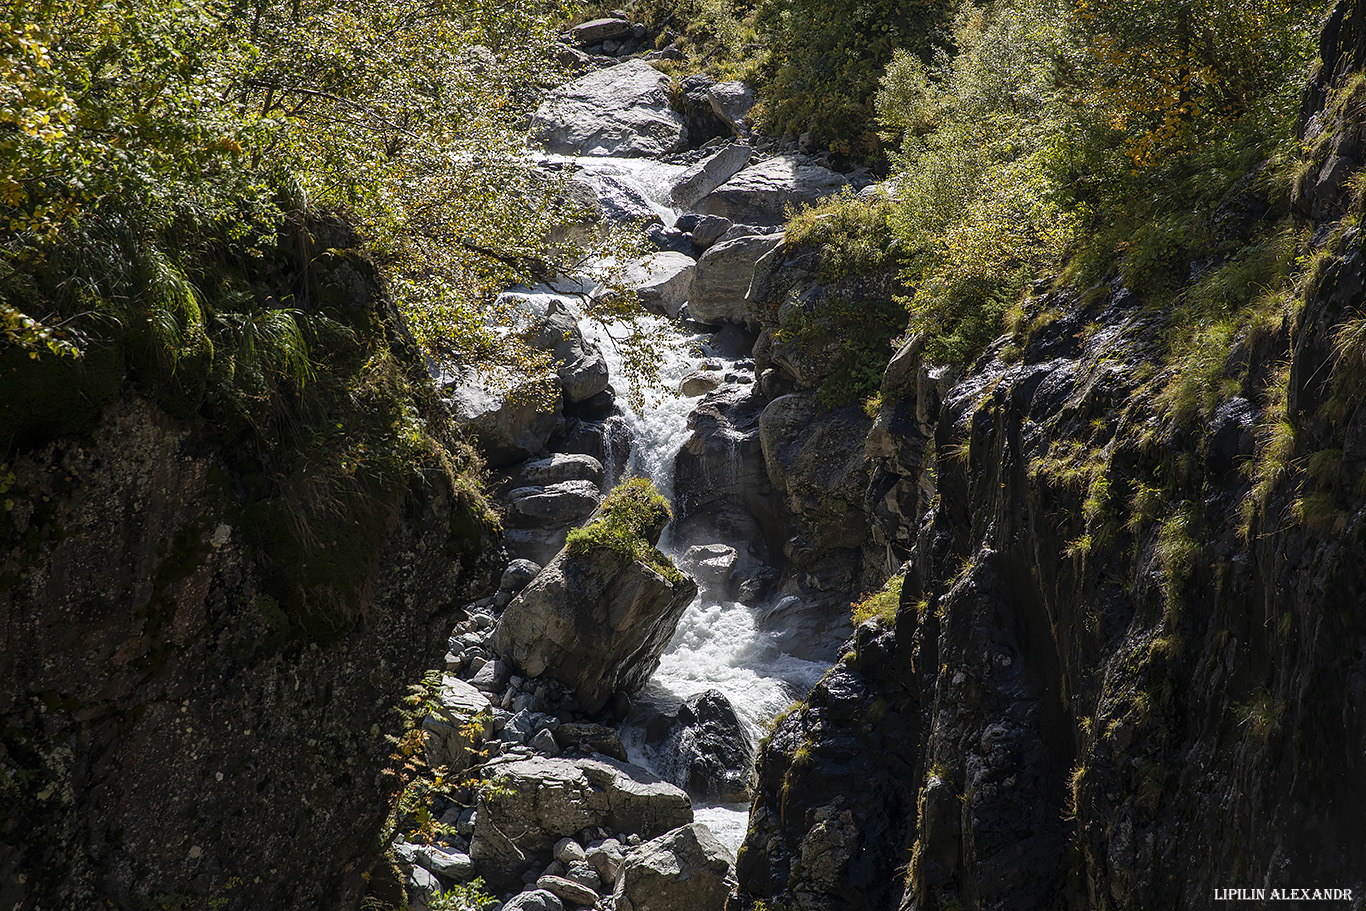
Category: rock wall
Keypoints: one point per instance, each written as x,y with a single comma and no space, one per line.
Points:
1127,665
195,700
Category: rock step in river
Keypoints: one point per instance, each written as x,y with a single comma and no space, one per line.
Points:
580,687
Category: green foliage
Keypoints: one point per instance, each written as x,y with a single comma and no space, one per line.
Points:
1176,552
715,37
824,60
184,124
1169,73
882,604
630,518
1067,136
851,329
978,204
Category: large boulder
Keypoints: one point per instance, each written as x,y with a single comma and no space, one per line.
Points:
595,621
621,110
555,469
761,193
732,101
721,283
510,415
596,31
562,503
539,519
579,365
710,173
684,870
703,748
535,802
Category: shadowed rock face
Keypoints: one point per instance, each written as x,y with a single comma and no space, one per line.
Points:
594,622
172,737
1054,720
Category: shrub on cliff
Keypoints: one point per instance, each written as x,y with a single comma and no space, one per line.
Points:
629,523
183,134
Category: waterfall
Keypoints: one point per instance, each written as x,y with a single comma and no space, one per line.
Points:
717,645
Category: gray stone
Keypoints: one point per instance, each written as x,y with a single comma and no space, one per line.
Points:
544,742
606,859
568,851
518,574
710,173
596,31
450,864
591,738
724,273
492,677
534,900
695,384
708,230
422,886
579,365
713,566
564,503
594,622
760,194
572,893
732,102
538,800
662,281
582,872
703,748
456,730
558,467
621,110
684,870
510,415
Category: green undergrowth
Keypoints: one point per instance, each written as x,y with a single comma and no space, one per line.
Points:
880,605
283,353
629,520
854,327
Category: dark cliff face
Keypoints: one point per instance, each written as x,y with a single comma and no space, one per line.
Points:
1129,664
195,695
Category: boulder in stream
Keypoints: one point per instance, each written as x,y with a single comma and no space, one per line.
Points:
721,283
710,173
598,616
593,621
702,747
622,110
761,193
662,281
579,365
537,801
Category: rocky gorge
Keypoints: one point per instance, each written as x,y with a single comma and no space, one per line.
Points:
1105,680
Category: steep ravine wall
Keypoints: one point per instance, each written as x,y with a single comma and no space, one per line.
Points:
195,699
1119,675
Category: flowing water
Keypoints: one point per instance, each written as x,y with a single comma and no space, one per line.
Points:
717,645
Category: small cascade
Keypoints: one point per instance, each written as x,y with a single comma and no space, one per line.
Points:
717,645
